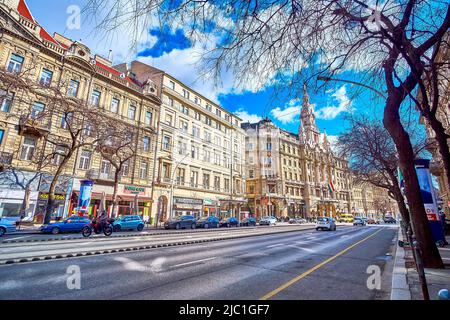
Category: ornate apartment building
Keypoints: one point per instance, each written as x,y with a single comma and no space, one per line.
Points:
295,174
200,152
26,48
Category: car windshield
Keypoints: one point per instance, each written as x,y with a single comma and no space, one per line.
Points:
323,219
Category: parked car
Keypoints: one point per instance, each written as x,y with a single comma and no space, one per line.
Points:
72,224
372,221
181,222
248,222
208,222
346,218
229,222
297,221
6,226
128,223
359,222
268,221
325,223
389,220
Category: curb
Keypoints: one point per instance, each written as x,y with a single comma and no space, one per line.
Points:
400,288
129,235
137,248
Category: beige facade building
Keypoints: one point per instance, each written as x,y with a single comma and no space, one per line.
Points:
200,153
295,174
51,61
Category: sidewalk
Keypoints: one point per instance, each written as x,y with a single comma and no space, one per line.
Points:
405,279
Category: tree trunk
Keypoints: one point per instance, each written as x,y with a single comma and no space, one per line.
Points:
419,220
114,197
441,139
402,206
51,201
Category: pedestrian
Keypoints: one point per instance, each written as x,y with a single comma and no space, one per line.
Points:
444,225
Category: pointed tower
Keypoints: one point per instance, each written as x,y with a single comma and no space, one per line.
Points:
326,142
308,126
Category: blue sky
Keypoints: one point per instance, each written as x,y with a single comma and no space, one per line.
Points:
171,51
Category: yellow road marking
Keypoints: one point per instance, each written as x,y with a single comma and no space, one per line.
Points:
305,274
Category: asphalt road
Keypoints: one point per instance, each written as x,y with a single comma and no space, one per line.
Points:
296,265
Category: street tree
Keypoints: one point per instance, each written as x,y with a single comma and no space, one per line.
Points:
388,44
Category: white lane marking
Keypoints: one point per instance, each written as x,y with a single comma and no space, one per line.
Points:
446,249
18,238
275,245
445,258
192,262
311,238
301,248
345,236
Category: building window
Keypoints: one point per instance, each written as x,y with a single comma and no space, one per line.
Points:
185,110
207,136
218,112
208,121
28,148
184,126
105,168
7,99
206,181
207,156
208,107
85,160
227,185
46,77
170,102
143,170
196,131
115,105
217,183
36,109
126,168
146,144
15,63
132,112
166,143
166,171
194,179
66,119
197,116
251,174
172,85
148,118
181,174
194,152
88,129
95,98
169,119
73,88
60,153
186,94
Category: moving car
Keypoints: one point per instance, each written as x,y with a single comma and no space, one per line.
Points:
372,221
128,223
181,222
325,223
297,220
72,224
229,222
346,218
389,220
268,221
6,226
208,222
248,222
359,222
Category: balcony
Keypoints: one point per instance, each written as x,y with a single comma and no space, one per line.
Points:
36,127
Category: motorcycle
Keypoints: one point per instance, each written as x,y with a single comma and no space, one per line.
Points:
96,227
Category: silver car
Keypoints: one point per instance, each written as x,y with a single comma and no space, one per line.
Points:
325,223
268,221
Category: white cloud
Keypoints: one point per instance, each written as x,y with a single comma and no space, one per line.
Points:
290,112
344,105
246,117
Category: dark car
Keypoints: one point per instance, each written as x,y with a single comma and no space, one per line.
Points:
72,224
389,220
229,222
248,222
208,222
182,222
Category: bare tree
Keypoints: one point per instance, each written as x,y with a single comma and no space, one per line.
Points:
118,147
389,45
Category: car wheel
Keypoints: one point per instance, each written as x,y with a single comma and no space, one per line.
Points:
117,228
56,231
193,226
178,226
317,229
206,226
140,227
2,231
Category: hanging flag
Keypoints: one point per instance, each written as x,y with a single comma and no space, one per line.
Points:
331,187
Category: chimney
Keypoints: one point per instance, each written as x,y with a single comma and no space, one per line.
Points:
110,56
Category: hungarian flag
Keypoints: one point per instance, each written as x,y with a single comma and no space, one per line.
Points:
331,187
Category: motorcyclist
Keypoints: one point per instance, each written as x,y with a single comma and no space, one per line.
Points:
103,221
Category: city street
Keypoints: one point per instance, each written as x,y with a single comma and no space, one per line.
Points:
304,264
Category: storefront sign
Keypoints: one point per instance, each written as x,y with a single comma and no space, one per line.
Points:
58,197
189,201
209,202
134,190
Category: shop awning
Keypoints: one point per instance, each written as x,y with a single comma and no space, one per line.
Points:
129,198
